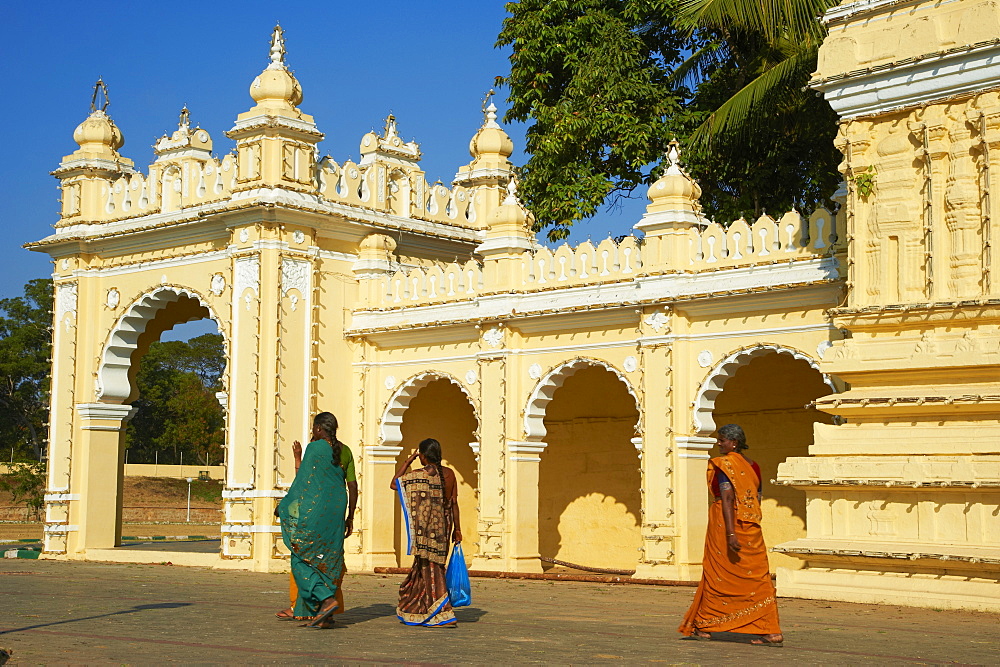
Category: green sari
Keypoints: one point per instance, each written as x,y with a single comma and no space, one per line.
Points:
313,516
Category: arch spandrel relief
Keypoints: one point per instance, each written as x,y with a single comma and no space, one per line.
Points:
704,404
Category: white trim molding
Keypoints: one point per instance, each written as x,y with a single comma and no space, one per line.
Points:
530,451
694,447
711,387
91,412
914,82
545,389
390,428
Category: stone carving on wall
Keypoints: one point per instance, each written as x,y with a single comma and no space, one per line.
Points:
534,371
630,364
247,275
298,236
471,377
113,298
218,284
294,276
961,214
390,382
657,321
66,297
493,337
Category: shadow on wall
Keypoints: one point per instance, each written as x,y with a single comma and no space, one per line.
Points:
589,478
767,397
441,411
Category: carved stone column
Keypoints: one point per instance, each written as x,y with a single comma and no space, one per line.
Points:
98,472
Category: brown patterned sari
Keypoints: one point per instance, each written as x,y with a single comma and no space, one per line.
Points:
736,593
423,595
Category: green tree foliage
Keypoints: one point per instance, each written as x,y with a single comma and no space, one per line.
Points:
25,347
606,84
593,76
25,481
177,409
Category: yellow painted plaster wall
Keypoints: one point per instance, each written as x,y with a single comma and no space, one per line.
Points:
589,477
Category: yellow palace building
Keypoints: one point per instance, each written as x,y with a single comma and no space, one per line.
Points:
575,391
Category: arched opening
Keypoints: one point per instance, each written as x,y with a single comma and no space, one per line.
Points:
167,359
440,409
767,395
589,478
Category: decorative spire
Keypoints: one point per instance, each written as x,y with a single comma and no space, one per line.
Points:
277,48
185,119
673,157
100,91
490,110
511,197
390,127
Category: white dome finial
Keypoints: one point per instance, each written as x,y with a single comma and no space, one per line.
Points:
674,157
277,48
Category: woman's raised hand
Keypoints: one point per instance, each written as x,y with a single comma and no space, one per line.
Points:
297,449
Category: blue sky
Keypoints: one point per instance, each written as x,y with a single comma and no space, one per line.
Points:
428,63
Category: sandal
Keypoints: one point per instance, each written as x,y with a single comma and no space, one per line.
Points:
701,636
285,615
776,641
322,620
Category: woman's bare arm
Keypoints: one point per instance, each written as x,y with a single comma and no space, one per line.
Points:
456,535
401,468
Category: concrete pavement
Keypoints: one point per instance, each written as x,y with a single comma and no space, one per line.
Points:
83,612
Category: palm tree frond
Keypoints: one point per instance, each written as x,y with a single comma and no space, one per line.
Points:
737,114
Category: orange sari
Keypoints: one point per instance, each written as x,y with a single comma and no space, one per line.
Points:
736,593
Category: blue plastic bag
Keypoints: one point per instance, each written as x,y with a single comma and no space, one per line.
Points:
457,578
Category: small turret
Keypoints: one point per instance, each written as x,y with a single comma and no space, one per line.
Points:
490,147
672,211
95,163
275,141
184,142
490,171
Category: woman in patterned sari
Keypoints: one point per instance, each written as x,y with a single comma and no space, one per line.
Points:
313,524
429,496
736,593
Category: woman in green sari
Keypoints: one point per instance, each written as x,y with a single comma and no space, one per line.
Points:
315,520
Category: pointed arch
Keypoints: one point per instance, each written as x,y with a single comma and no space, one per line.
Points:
390,428
113,384
711,387
541,396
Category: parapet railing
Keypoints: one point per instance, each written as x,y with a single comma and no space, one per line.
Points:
766,241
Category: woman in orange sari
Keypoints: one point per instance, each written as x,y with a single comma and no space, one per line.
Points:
736,593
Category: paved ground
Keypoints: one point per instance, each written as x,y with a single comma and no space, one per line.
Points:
70,612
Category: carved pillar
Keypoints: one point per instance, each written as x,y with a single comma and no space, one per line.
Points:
494,489
98,471
379,523
691,502
521,530
61,414
655,447
962,215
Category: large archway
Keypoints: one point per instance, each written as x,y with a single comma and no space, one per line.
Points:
152,502
767,393
589,477
437,406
